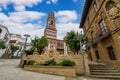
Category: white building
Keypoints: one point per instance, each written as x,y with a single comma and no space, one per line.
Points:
5,36
18,40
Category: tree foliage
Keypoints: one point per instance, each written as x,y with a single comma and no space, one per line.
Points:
72,39
2,44
67,63
13,49
30,51
39,43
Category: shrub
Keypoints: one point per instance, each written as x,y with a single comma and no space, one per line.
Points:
30,51
67,63
31,62
38,63
50,62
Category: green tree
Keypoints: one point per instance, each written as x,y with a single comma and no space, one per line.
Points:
13,49
39,43
30,51
2,44
72,39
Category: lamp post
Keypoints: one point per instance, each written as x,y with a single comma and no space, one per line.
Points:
83,60
26,35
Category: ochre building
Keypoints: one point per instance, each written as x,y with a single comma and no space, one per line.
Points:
51,34
101,24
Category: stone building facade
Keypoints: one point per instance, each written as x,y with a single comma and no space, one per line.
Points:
101,24
51,34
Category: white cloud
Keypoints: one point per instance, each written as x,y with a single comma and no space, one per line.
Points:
0,9
51,1
48,2
66,16
54,1
66,22
19,27
3,17
31,29
19,8
63,28
22,22
28,3
25,16
74,1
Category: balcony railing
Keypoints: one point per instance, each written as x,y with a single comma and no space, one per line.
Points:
102,34
99,36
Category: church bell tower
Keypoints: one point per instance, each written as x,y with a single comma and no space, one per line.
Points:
50,30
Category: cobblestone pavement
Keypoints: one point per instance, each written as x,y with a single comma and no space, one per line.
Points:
10,71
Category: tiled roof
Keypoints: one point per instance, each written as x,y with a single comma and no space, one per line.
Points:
12,41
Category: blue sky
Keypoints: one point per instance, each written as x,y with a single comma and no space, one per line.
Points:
29,16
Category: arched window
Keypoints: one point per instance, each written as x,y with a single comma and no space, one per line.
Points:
51,22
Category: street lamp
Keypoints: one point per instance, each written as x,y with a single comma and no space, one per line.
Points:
81,46
26,35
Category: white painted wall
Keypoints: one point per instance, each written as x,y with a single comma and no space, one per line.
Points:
2,51
4,32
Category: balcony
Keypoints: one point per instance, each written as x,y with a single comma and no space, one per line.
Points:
102,35
99,36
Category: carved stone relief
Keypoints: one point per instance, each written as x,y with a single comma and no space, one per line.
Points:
113,9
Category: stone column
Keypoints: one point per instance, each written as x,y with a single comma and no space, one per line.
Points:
65,49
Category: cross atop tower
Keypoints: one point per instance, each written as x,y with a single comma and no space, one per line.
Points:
50,31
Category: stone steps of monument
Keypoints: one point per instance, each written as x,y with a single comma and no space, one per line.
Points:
98,73
102,68
106,76
103,71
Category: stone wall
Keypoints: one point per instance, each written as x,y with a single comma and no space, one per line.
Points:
109,11
57,70
53,54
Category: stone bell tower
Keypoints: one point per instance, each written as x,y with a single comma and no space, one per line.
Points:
50,31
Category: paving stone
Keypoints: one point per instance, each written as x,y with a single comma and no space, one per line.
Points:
9,71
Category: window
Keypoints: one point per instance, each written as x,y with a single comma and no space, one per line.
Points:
95,7
84,28
111,53
92,34
88,21
0,30
103,26
61,44
58,44
97,55
6,38
90,56
51,22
